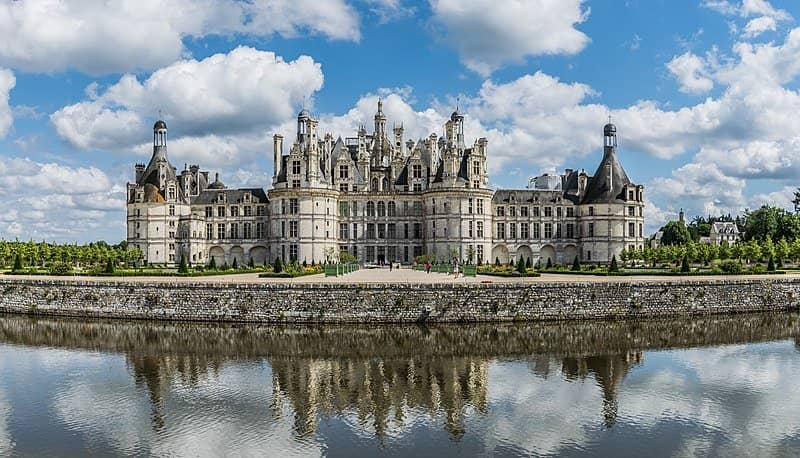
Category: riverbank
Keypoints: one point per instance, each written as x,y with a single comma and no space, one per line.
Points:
408,297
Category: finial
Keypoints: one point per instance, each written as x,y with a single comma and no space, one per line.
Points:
159,113
609,118
458,102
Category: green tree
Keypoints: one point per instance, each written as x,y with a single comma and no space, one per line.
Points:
762,223
17,262
685,264
521,265
576,264
675,233
549,264
235,264
782,250
182,267
771,265
613,267
277,266
212,265
109,266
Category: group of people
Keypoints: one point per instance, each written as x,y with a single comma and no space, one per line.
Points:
455,267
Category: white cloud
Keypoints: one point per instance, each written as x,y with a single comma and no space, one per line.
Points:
689,69
7,82
244,91
759,25
701,189
491,33
765,16
128,35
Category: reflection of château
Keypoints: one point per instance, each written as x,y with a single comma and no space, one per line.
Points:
380,391
385,375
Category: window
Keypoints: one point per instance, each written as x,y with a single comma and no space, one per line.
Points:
558,230
524,230
512,211
480,206
500,211
417,230
344,209
405,230
344,231
234,230
370,231
221,212
261,210
221,231
501,230
536,231
294,206
261,233
559,212
171,210
344,171
588,255
631,211
641,231
248,210
381,209
417,187
479,229
570,212
591,211
570,231
248,231
631,230
355,230
512,230
523,211
476,167
535,211
469,229
209,231
480,253
416,171
234,211
391,209
392,230
630,194
590,230
293,253
548,230
293,228
381,231
295,183
296,167
370,208
417,208
469,206
343,187
548,212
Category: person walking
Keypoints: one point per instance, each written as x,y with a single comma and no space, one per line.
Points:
390,266
427,267
455,268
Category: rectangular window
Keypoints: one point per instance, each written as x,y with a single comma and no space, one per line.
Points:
524,230
548,212
293,228
417,208
381,231
417,187
416,171
480,206
344,171
512,230
548,230
512,211
501,231
469,229
344,209
476,167
631,211
570,212
405,231
417,230
558,230
293,253
296,167
344,231
248,231
370,254
469,206
209,231
559,212
295,183
392,231
283,229
343,187
570,231
523,211
479,229
220,231
294,206
209,212
221,212
234,230
591,211
537,234
355,230
535,211
590,230
248,210
480,253
631,230
261,210
370,231
260,231
171,210
500,211
234,211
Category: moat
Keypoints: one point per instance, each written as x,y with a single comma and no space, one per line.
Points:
719,385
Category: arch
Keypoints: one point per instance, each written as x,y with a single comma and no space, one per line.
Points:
237,253
500,252
374,187
385,184
570,251
370,208
217,254
391,208
525,252
381,209
258,254
547,252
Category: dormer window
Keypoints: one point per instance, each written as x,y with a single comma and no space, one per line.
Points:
247,197
221,198
296,167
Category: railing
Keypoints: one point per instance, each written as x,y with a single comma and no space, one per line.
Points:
468,270
335,270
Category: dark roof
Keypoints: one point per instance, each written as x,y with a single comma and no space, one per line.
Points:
402,179
599,190
159,125
209,196
609,129
524,196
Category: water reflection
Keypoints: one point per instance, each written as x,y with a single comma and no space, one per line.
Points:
492,388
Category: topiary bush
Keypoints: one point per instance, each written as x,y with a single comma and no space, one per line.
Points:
576,264
60,268
730,267
613,267
277,267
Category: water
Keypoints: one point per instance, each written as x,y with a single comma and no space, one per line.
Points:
705,386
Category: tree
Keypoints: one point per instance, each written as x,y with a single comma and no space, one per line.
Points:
235,264
251,264
182,267
277,267
675,233
521,265
576,264
497,261
549,264
109,266
17,263
213,263
685,264
782,250
771,265
613,267
796,200
762,223
768,248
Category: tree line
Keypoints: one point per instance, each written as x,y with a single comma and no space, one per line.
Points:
44,254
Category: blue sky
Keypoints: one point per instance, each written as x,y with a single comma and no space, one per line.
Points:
704,93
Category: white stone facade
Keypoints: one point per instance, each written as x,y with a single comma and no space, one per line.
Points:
382,198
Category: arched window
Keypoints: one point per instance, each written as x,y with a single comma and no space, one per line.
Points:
374,185
385,185
392,210
370,208
381,209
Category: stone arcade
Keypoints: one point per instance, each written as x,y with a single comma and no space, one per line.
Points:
382,198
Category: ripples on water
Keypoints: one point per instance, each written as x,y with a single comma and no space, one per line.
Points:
706,386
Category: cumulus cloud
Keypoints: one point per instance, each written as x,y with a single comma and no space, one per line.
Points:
239,92
7,82
129,35
761,15
759,25
689,69
490,33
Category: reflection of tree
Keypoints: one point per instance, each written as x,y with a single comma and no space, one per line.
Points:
380,391
609,372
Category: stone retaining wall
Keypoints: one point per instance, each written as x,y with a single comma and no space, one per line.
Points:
385,303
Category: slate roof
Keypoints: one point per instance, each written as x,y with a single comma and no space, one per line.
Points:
599,190
209,196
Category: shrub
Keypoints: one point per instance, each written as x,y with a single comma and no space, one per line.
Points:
685,264
17,262
182,267
109,266
771,265
213,264
576,263
60,268
496,261
235,264
613,267
277,267
549,264
730,267
251,264
521,265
